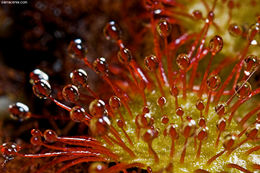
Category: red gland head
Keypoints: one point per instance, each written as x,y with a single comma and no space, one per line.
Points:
161,101
19,111
150,135
112,31
183,61
70,93
36,132
229,141
253,32
202,133
120,123
100,65
243,89
146,110
221,125
179,111
150,4
78,114
164,28
172,131
174,91
235,30
97,108
202,122
213,82
253,132
124,56
79,77
38,74
144,120
77,48
151,62
42,89
99,126
9,150
211,16
189,128
97,167
250,63
216,44
197,14
114,102
200,105
221,109
165,119
36,140
50,136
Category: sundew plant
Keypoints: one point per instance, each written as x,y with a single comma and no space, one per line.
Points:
186,99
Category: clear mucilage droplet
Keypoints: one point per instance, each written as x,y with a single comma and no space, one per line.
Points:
9,150
213,82
253,34
183,61
235,30
36,140
189,128
172,130
78,114
164,28
42,89
38,74
229,141
112,31
221,109
151,62
97,167
200,105
216,44
19,111
174,91
99,126
250,63
50,136
124,56
197,14
97,108
114,102
243,89
100,65
79,77
70,93
77,49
